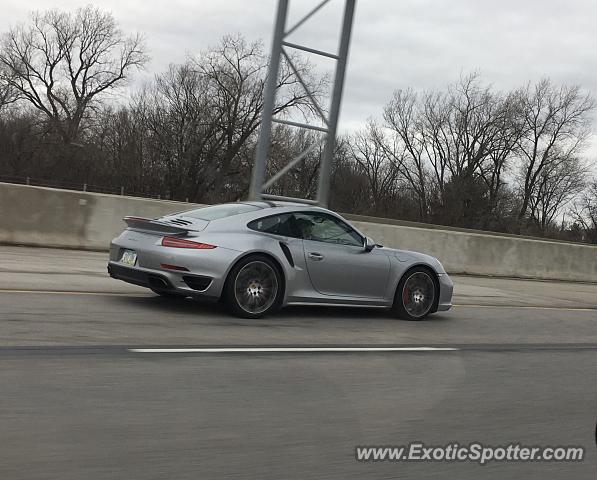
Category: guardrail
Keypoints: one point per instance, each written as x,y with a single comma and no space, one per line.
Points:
81,187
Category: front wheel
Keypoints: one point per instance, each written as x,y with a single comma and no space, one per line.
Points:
416,294
254,287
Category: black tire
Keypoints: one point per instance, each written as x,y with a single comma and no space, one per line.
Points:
167,294
254,287
417,294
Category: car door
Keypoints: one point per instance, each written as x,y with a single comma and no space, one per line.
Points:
336,261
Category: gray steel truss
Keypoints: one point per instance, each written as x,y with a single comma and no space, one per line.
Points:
259,185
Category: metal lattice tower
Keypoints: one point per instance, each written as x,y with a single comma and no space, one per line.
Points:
279,49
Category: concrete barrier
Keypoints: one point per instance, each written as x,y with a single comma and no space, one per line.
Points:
69,219
492,255
63,218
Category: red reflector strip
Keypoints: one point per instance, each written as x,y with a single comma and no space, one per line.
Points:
176,242
174,267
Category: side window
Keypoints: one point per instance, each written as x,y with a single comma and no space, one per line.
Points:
284,224
321,227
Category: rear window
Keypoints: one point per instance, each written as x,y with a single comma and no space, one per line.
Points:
282,224
216,212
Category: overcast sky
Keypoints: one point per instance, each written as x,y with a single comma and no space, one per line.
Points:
396,44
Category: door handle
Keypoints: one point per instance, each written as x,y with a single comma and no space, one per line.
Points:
315,256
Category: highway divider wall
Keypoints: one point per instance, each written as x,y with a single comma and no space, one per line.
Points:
39,216
65,218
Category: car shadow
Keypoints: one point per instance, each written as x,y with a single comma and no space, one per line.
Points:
173,305
346,313
318,311
194,306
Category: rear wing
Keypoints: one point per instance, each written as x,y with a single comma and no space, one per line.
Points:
154,226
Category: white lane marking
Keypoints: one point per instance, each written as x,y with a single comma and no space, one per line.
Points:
290,349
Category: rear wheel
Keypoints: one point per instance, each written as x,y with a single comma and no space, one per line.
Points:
416,294
254,287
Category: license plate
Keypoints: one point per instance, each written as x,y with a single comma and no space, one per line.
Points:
129,257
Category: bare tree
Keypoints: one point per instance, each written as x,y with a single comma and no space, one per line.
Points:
182,128
473,123
406,145
200,120
584,212
367,150
7,93
501,154
235,74
63,62
470,132
19,140
452,138
558,183
556,124
286,144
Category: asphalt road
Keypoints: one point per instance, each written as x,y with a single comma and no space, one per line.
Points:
77,401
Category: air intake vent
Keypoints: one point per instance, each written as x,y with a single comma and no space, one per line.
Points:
196,282
287,253
179,221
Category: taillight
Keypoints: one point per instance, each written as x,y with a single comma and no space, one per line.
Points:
176,242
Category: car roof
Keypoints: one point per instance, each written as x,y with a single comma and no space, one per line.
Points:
275,203
279,204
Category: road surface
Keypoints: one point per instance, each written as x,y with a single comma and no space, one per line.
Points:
91,388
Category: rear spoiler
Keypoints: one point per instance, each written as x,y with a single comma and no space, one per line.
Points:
154,226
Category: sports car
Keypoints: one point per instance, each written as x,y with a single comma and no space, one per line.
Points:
259,256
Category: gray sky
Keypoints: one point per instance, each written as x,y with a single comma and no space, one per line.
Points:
396,44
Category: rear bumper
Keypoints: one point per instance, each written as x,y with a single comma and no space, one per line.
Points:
133,275
185,284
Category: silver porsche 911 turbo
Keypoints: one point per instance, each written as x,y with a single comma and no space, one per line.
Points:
259,256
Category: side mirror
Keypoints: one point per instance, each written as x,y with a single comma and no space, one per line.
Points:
369,244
